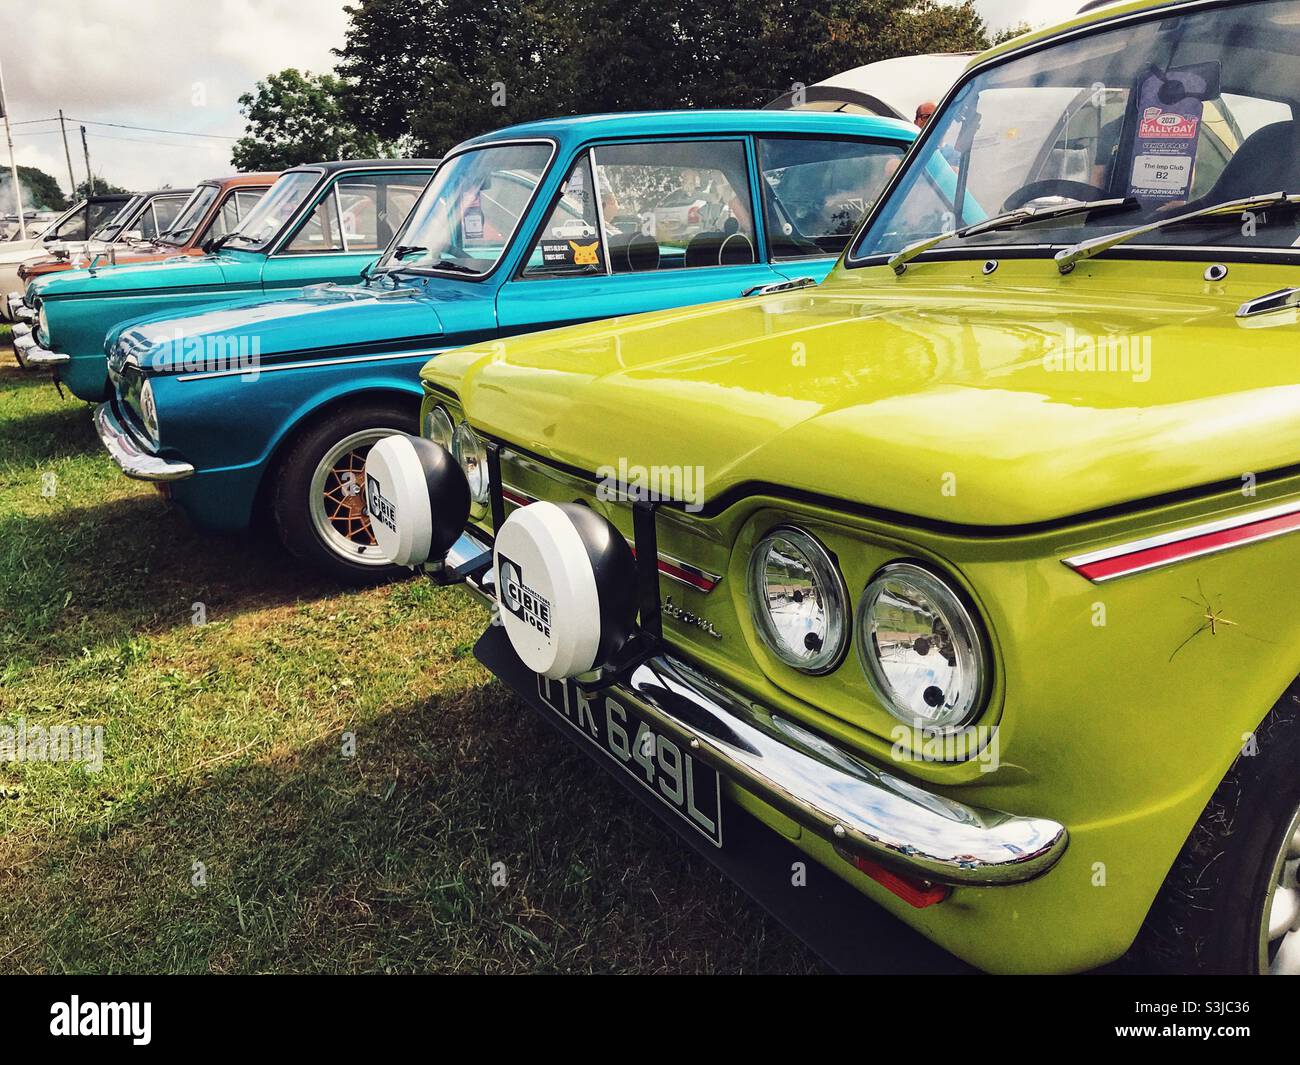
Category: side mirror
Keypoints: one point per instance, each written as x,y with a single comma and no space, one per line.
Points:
365,270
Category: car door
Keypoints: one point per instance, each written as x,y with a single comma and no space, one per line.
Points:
346,229
641,226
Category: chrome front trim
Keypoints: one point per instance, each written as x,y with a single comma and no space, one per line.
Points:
42,357
258,371
22,329
779,286
10,304
23,348
860,809
130,458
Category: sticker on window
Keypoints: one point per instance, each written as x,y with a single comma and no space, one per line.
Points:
1171,106
569,252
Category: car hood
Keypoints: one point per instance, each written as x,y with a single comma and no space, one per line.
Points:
19,251
942,395
325,321
205,271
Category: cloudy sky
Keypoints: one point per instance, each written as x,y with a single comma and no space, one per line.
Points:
179,67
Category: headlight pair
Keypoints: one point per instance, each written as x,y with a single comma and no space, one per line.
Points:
466,447
919,645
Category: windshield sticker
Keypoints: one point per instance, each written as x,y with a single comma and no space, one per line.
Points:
1170,109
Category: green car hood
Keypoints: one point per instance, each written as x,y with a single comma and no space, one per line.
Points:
942,395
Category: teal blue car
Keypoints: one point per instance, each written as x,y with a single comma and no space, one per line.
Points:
318,223
271,405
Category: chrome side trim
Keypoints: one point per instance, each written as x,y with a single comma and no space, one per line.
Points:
133,461
308,364
827,789
1191,532
1282,300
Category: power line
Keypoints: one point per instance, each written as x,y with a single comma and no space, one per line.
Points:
154,129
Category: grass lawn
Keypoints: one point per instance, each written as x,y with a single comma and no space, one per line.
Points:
224,746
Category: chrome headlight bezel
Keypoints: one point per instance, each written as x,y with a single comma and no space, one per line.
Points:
470,453
42,327
968,640
149,409
438,426
833,595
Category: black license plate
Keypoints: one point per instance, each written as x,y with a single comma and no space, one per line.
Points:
687,786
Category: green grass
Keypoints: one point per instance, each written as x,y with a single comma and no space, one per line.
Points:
223,746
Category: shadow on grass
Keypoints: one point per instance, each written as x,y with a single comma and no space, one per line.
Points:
463,836
98,575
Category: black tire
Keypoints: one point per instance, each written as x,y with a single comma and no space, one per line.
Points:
291,491
1206,917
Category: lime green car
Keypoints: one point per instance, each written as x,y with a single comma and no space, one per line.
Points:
968,571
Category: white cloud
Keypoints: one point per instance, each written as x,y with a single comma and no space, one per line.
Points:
146,64
1003,13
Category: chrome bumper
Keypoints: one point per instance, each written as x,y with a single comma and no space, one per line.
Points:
31,354
858,808
9,304
134,462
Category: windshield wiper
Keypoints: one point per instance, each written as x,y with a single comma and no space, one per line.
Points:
449,264
1068,259
1011,219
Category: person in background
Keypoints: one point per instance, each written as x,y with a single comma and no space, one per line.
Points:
924,113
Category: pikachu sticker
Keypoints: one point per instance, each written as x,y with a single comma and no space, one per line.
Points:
585,254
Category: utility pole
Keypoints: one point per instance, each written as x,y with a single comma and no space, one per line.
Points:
13,166
90,178
72,181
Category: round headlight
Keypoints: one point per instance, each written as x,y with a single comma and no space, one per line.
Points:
42,326
468,450
149,409
438,427
798,600
921,648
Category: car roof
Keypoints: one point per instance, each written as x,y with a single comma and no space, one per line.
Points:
333,165
264,178
641,123
167,192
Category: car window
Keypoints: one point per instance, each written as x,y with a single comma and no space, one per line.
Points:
815,192
570,242
373,206
261,225
159,216
74,226
671,205
182,226
321,232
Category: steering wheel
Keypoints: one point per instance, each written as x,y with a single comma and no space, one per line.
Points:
1052,187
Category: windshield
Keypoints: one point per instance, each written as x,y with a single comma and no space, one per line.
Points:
466,217
191,214
266,220
110,229
1175,113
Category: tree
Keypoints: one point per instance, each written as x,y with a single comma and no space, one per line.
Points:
41,192
294,117
444,70
102,188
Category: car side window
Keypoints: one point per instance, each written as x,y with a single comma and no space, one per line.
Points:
372,207
815,192
166,209
570,243
675,204
321,231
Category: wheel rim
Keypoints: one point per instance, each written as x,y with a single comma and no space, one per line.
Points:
1279,924
338,499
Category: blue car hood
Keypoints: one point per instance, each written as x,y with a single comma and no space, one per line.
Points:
181,272
324,321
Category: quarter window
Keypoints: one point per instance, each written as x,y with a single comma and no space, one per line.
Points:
672,205
815,192
322,231
571,241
